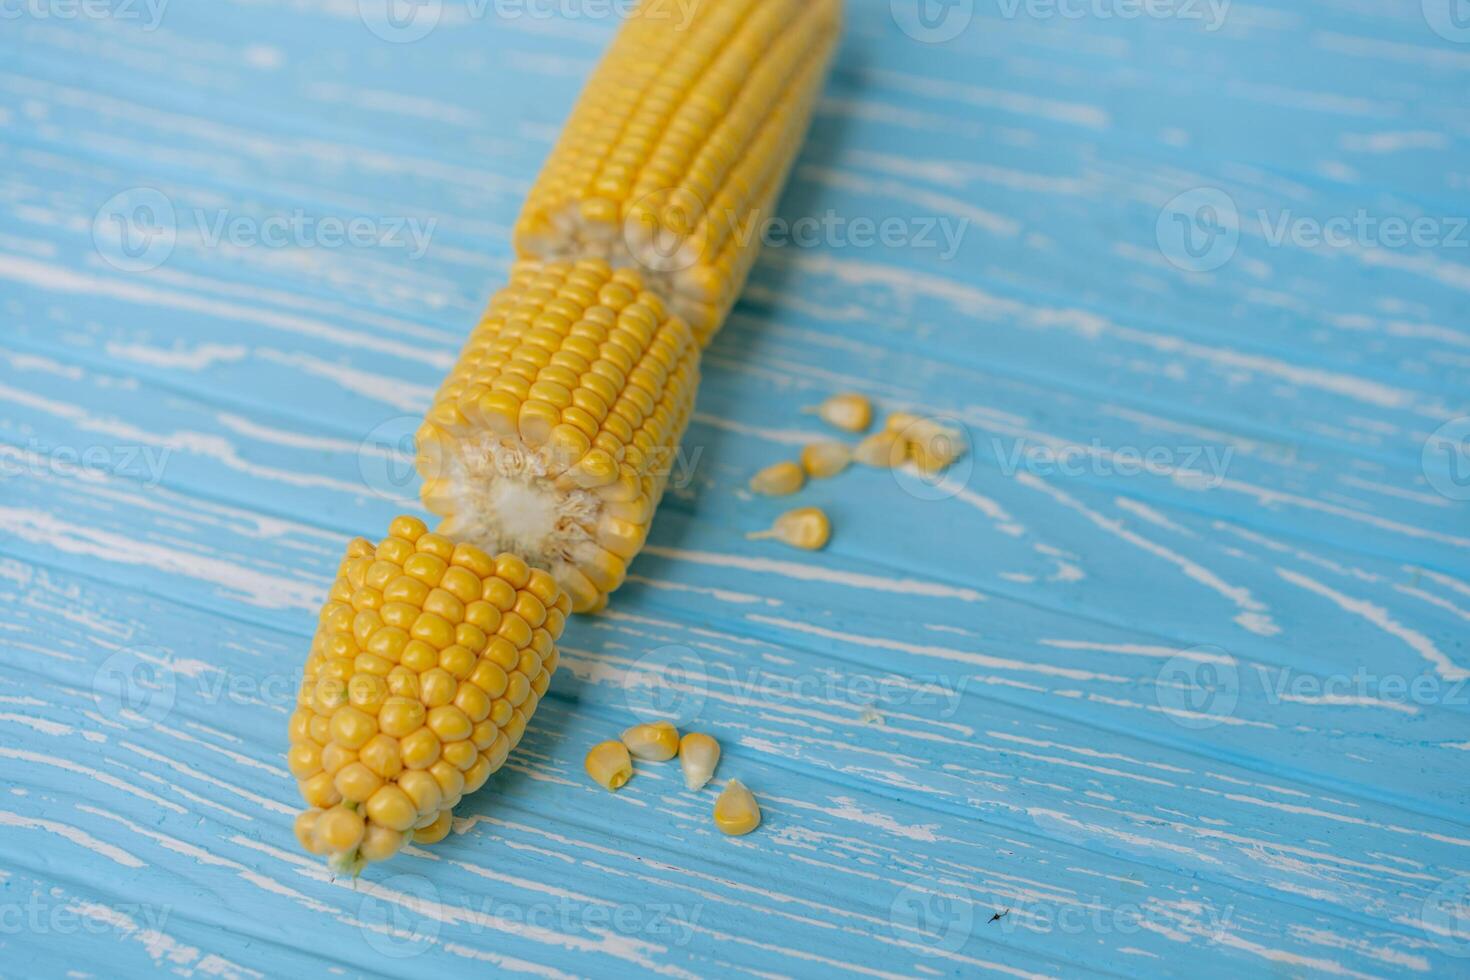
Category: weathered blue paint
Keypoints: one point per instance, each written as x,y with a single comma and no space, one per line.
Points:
1205,715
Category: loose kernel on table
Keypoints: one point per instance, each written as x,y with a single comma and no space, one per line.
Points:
698,755
778,480
652,742
807,528
849,411
609,765
736,812
884,450
825,459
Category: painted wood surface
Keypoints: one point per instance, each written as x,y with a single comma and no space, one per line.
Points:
1173,667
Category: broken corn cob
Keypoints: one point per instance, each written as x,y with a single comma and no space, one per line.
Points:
554,436
429,659
678,148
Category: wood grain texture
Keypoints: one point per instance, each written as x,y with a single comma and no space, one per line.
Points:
1174,668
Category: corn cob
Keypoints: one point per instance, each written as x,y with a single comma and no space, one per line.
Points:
677,151
555,434
428,661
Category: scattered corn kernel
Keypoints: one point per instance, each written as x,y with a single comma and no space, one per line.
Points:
932,445
402,635
698,755
609,765
807,528
736,812
778,480
882,449
339,829
848,411
435,831
656,741
825,459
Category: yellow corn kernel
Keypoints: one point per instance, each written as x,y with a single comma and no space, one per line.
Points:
932,445
884,450
392,807
339,829
807,528
652,742
678,149
380,843
396,753
778,480
435,831
736,811
698,755
822,460
357,783
305,829
554,435
609,765
849,411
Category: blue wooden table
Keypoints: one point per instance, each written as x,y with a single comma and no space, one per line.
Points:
1168,677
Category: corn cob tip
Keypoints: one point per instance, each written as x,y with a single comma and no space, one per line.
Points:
429,658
